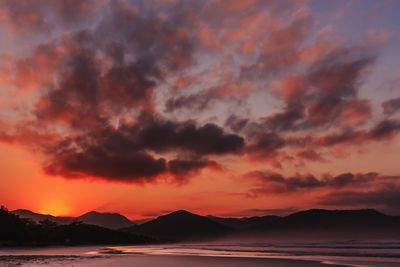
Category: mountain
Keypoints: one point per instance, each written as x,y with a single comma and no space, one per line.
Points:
245,222
107,220
37,217
17,231
112,221
181,225
317,224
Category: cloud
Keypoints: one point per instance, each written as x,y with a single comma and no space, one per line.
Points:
235,123
100,163
42,15
196,101
391,106
310,154
126,153
113,86
184,168
262,212
326,94
274,183
385,198
266,144
99,105
208,139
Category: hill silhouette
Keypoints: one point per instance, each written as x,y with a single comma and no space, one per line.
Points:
245,222
37,217
316,224
113,221
17,231
181,225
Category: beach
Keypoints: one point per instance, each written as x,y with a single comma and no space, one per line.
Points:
151,260
196,255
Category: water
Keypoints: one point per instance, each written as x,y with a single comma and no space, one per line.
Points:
360,254
348,253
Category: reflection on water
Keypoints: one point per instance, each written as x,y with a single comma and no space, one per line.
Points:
351,253
346,253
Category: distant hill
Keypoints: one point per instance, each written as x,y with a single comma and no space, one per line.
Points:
181,225
17,231
317,224
112,221
108,220
245,222
37,217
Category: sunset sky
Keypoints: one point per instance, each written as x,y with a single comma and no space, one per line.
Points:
224,107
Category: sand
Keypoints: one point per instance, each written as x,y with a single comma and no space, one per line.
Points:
151,261
175,256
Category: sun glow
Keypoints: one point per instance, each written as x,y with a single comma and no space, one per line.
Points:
55,208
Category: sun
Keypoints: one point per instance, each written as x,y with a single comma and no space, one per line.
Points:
55,208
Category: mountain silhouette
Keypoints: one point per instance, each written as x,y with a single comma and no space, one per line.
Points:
112,221
107,220
245,222
37,217
316,224
18,231
181,225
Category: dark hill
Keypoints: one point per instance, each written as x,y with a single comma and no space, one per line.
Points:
37,217
181,225
333,225
17,231
244,223
108,220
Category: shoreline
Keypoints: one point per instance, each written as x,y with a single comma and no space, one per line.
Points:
121,260
174,255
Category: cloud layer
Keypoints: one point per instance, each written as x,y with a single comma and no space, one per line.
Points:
130,91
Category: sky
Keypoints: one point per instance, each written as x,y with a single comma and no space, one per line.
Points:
231,108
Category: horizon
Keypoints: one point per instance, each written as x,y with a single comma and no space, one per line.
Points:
248,109
204,215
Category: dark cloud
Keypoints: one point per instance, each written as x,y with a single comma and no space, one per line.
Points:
76,97
187,167
113,69
391,106
196,101
124,153
310,154
271,182
205,140
205,98
101,88
386,198
280,48
156,43
100,163
384,129
235,123
43,15
266,144
327,95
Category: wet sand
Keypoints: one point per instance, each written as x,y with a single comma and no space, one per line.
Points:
151,261
177,256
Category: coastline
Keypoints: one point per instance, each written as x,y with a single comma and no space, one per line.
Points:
171,256
153,261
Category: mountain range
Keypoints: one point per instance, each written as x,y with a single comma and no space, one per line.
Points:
112,221
309,225
181,225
